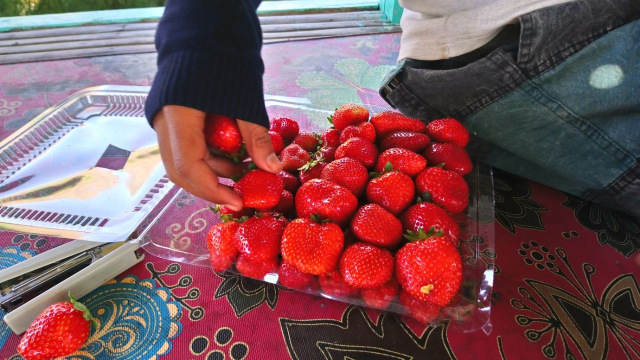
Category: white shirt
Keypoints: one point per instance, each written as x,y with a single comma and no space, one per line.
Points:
441,29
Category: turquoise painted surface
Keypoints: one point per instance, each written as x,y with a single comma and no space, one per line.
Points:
152,14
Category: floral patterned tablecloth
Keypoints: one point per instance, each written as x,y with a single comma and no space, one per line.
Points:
566,271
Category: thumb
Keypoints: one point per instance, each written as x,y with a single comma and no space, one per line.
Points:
258,142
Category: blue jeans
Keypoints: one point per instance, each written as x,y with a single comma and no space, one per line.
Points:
556,97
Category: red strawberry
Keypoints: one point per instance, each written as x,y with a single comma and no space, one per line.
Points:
358,149
60,330
349,114
333,284
287,204
349,173
403,160
409,140
222,247
256,269
293,157
259,237
390,121
423,311
382,296
326,153
307,140
375,225
222,133
425,216
393,191
289,276
430,270
287,128
363,130
259,189
311,170
326,199
227,214
312,247
290,181
331,137
448,131
366,266
452,156
276,142
445,188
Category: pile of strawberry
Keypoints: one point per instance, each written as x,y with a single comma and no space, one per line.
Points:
362,212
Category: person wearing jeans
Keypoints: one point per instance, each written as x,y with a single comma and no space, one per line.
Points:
553,93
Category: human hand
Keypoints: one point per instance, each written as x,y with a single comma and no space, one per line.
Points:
191,166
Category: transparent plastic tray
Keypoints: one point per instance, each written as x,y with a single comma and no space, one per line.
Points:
87,168
182,239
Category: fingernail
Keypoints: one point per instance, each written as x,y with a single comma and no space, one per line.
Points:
274,163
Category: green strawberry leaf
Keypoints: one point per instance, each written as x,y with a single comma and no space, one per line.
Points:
86,314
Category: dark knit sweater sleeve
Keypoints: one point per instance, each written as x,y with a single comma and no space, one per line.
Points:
209,59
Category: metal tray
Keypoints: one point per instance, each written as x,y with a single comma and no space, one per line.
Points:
87,168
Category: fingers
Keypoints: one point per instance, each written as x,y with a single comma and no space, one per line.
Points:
259,147
187,159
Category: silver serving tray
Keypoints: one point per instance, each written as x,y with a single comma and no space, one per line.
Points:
87,168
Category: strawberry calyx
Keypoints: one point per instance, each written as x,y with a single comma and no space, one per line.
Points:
309,165
86,314
315,217
330,119
388,167
422,235
227,217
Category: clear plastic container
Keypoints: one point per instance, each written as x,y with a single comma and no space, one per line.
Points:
470,309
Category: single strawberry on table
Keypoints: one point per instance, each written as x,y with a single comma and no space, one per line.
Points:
443,187
60,330
348,114
366,266
259,189
311,245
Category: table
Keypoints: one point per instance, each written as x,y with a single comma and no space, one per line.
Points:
566,271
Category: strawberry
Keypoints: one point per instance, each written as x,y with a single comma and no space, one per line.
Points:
448,130
312,247
293,157
349,114
406,161
375,225
392,190
391,121
276,142
409,140
349,173
307,140
259,189
331,137
430,270
425,216
290,181
222,133
363,130
256,269
333,284
326,199
366,266
289,276
287,128
311,170
382,296
258,238
443,187
423,311
286,205
326,153
227,214
358,149
222,247
452,156
59,330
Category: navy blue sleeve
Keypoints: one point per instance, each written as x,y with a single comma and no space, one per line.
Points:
209,59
